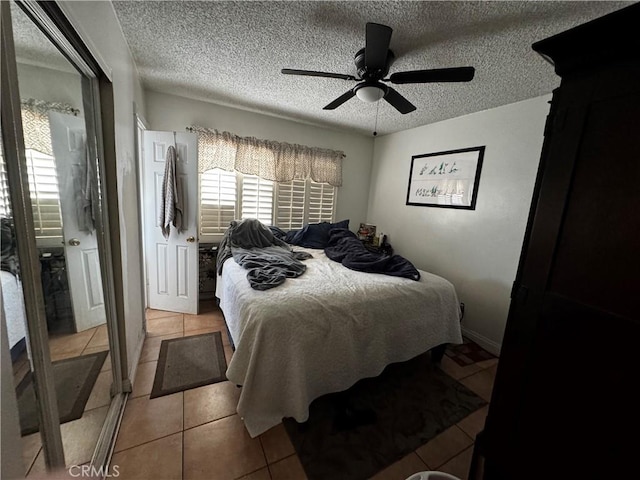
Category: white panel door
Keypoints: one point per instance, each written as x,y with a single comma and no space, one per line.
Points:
68,140
171,265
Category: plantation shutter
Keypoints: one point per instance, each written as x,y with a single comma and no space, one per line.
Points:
43,188
257,199
45,195
218,196
5,203
290,205
321,202
226,196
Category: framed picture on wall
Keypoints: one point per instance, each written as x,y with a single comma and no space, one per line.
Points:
445,179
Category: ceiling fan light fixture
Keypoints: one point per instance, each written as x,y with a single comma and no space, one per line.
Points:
370,93
372,65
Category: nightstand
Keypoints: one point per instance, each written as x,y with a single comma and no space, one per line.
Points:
207,255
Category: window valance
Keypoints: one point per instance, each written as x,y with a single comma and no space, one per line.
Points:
35,121
276,161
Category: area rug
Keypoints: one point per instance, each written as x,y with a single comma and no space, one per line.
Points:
73,378
355,434
467,353
189,362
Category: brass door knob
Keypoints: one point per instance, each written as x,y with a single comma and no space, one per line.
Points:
191,239
74,242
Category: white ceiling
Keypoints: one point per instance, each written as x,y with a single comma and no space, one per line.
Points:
231,53
32,46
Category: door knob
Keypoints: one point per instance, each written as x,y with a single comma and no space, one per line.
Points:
191,239
74,242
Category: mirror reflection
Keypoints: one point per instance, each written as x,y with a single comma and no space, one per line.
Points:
62,186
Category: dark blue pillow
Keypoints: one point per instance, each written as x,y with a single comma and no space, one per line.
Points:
340,224
316,235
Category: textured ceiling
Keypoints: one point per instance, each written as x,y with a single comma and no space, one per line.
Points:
31,45
231,53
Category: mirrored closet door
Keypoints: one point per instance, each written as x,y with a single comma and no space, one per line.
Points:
62,338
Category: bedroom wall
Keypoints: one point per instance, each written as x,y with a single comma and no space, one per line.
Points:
98,25
170,112
477,250
51,85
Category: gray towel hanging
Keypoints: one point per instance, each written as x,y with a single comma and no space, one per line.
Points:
171,208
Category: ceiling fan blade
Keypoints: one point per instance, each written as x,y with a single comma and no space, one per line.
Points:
459,74
311,73
376,46
398,101
340,100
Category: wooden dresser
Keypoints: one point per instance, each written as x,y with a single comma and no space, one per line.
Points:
563,404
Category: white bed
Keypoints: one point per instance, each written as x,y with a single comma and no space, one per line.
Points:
322,332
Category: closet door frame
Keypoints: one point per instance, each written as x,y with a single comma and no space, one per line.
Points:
97,93
16,165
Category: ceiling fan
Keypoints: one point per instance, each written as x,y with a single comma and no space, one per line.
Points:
372,64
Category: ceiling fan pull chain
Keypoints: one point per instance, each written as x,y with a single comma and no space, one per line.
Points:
375,129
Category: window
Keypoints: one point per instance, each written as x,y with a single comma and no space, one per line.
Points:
291,202
304,201
45,196
225,196
257,199
321,202
217,201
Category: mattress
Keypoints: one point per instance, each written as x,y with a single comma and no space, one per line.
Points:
322,332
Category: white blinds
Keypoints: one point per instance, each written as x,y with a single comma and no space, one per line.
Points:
290,205
321,202
257,199
226,196
44,192
45,195
217,200
304,201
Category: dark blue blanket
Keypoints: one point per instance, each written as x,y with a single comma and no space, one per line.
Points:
344,247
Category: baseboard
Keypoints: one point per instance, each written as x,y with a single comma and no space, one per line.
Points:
489,345
134,364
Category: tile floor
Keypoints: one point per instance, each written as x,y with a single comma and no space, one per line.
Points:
79,437
196,434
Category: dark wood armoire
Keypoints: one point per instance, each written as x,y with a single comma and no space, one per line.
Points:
564,403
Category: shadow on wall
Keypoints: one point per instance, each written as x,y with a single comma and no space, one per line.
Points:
485,298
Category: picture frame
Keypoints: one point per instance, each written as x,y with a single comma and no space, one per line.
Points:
448,179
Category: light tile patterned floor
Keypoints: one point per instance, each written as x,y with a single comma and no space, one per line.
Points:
79,436
196,434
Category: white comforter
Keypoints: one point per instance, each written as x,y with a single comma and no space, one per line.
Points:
323,331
